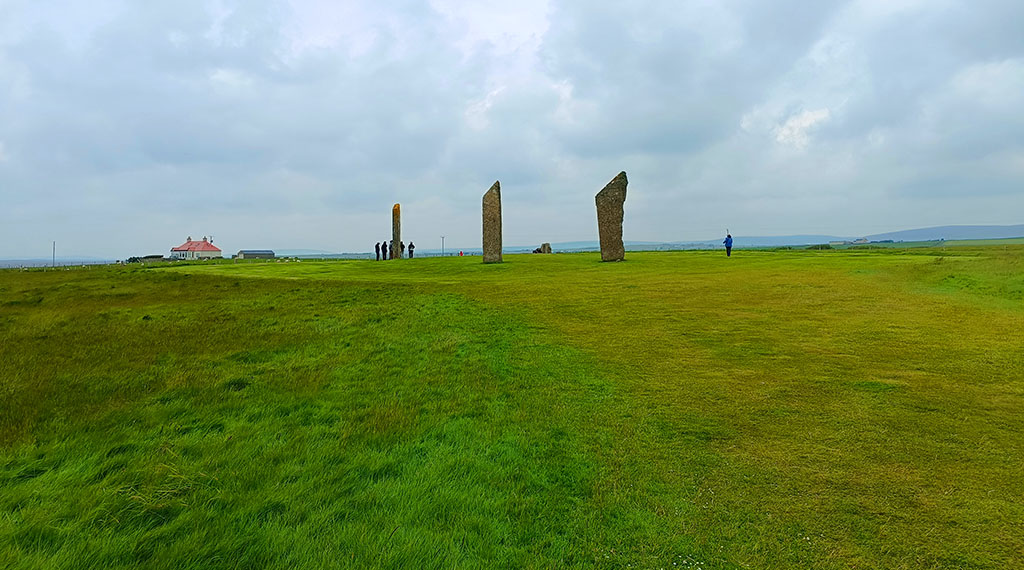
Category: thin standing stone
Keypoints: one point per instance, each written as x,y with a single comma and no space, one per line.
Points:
609,218
492,224
396,232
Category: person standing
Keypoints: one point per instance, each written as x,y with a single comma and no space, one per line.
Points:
401,246
384,249
376,248
412,246
728,245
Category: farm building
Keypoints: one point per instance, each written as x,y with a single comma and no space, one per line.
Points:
255,254
195,249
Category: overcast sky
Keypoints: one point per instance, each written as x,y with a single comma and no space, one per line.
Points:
127,126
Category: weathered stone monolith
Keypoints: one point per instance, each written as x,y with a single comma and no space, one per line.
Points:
545,247
609,218
492,224
396,231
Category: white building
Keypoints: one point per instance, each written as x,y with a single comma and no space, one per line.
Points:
195,249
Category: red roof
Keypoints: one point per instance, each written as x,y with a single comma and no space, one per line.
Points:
196,245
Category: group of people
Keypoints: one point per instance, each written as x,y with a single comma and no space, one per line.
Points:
384,251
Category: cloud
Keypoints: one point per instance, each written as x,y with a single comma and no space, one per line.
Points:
298,123
794,132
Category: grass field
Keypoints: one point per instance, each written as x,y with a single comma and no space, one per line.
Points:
972,243
792,409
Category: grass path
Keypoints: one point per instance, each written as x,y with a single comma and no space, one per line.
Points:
776,409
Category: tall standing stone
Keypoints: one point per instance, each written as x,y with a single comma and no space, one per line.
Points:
609,218
492,224
396,232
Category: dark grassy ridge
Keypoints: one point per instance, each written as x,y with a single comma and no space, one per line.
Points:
779,409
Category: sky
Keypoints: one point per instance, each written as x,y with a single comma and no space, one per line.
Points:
126,126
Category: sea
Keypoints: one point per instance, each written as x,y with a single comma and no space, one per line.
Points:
66,262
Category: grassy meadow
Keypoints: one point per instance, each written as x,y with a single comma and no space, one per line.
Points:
776,409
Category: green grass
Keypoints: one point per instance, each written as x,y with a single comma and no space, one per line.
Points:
788,409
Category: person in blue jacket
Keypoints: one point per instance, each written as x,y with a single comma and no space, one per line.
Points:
728,245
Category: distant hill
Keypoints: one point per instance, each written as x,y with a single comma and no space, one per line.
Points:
953,232
300,252
923,234
594,245
772,241
740,241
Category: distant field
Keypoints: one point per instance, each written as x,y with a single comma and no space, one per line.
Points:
940,244
984,242
779,409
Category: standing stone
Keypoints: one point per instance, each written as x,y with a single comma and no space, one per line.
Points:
545,247
492,224
609,218
396,232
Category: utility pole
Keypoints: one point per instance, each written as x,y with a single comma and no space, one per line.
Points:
442,246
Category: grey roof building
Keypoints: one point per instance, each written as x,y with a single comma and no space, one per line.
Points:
255,254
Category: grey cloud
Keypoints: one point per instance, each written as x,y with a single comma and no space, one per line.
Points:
664,78
762,116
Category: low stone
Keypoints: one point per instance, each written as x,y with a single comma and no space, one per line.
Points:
545,247
609,218
492,224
